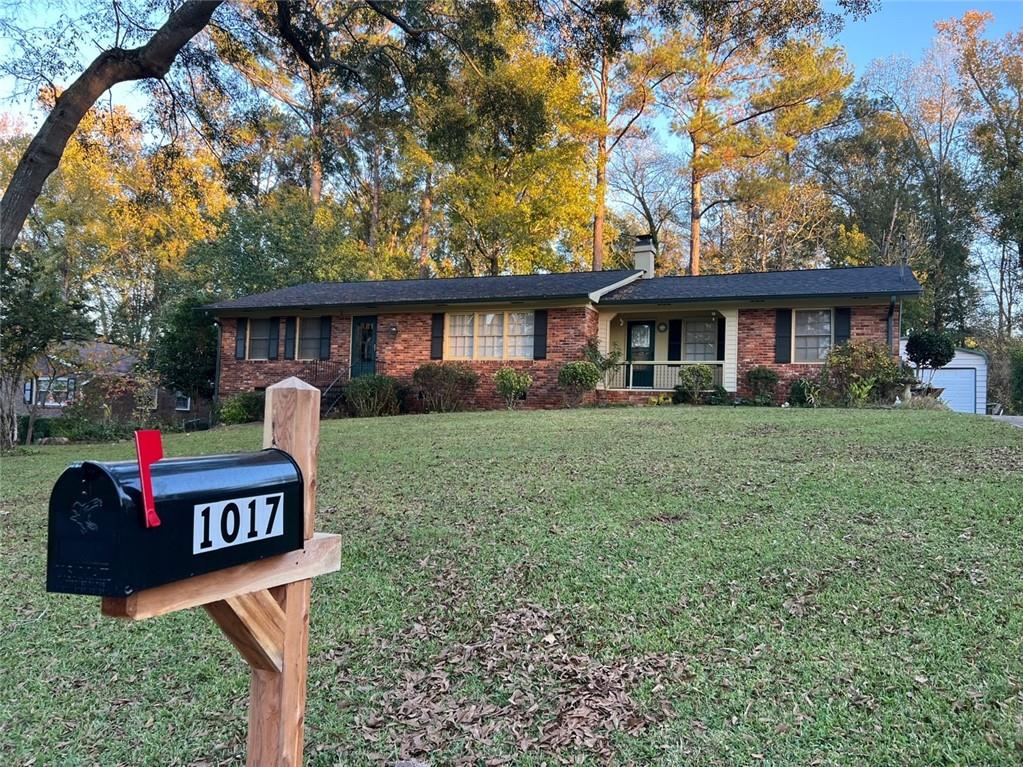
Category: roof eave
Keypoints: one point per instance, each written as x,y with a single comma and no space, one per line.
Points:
596,295
220,310
764,297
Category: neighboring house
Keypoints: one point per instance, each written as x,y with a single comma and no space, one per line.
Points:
52,388
328,332
964,380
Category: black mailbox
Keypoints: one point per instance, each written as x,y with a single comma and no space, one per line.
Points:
214,512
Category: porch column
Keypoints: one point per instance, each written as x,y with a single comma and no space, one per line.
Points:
730,370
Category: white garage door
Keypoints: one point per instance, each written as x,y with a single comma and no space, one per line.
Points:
960,386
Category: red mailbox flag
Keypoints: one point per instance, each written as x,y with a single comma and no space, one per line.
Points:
149,449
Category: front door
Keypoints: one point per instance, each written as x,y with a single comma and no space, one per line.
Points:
364,346
641,349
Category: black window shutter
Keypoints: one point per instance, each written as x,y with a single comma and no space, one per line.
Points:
437,337
783,335
540,334
289,338
843,324
239,338
273,342
674,339
325,337
721,338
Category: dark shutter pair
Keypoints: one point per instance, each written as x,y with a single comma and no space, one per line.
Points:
290,325
783,331
539,335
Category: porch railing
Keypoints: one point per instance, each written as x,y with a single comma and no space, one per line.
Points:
323,373
656,375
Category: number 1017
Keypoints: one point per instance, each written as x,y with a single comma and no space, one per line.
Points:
239,520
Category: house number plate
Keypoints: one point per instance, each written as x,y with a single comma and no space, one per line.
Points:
237,521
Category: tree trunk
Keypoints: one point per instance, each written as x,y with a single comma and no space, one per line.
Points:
374,201
31,427
425,207
8,411
315,137
600,192
117,65
601,205
694,223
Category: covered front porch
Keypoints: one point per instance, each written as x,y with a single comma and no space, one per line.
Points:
655,343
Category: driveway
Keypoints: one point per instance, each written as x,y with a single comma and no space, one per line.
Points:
1015,420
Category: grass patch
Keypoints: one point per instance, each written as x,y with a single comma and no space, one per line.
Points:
678,586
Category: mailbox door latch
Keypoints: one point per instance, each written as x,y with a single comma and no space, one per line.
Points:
149,449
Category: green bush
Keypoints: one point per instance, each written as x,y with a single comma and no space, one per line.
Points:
804,393
1016,379
605,363
693,379
859,372
87,431
577,378
446,387
244,407
373,395
923,403
40,429
930,349
512,385
719,396
763,384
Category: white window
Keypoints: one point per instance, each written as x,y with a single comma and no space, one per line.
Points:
520,335
701,342
460,335
490,335
812,337
259,340
309,338
182,403
51,391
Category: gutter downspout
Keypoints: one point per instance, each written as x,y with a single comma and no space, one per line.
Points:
891,322
216,374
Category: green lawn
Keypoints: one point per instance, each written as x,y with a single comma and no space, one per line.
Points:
677,586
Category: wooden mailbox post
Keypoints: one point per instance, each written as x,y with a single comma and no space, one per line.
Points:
263,606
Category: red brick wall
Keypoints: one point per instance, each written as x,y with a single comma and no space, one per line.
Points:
245,375
756,343
399,355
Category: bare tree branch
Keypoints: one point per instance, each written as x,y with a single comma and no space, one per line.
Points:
116,65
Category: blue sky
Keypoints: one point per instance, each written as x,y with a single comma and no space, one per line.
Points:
906,28
896,28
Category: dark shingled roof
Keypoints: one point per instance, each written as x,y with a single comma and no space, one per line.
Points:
804,283
433,291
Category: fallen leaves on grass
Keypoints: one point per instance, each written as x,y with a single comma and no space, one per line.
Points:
544,696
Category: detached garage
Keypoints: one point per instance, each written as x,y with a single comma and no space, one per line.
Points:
964,380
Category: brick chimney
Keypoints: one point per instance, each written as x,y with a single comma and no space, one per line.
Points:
643,253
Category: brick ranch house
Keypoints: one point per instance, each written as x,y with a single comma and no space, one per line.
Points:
330,332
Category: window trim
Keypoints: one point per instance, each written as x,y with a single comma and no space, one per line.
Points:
713,322
448,355
299,324
792,341
248,340
70,390
187,408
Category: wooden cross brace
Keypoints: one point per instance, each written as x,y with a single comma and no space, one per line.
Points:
263,606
